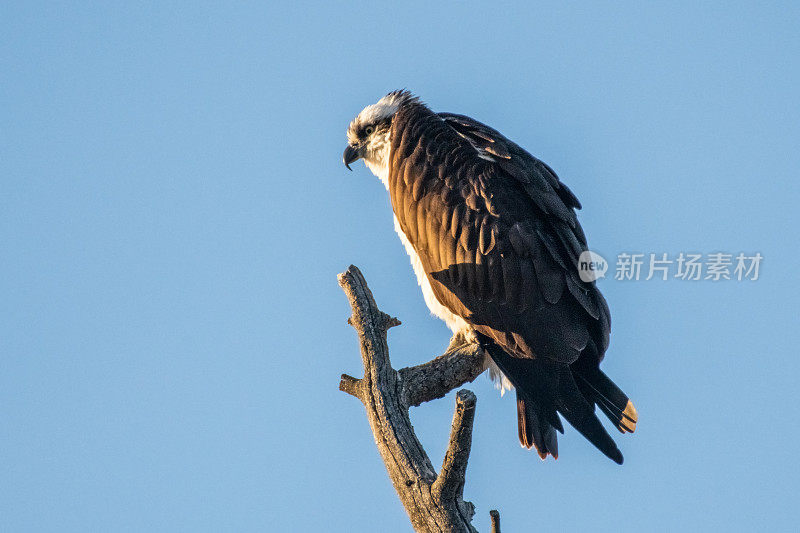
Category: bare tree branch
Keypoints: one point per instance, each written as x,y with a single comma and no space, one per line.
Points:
434,502
450,483
461,363
495,516
351,386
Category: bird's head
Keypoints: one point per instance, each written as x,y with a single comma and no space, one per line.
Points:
368,135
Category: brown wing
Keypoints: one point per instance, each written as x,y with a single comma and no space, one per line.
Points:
499,239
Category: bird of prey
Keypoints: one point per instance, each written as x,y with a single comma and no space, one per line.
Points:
494,242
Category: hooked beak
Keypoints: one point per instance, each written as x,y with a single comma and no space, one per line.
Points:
350,154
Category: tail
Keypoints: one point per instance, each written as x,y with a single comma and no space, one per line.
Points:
535,429
599,389
546,388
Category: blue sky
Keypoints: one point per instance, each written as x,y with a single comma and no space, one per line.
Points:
174,211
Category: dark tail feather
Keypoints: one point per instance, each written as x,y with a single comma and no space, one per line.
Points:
544,387
534,429
580,414
599,389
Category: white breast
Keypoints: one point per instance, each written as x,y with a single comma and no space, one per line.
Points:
453,321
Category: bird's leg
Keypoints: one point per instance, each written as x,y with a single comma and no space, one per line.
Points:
458,341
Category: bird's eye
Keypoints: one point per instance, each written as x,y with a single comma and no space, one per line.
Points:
368,130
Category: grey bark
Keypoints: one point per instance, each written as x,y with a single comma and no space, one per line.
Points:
434,502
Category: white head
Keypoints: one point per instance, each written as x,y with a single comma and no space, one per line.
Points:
369,134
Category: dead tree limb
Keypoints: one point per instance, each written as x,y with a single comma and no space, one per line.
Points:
434,502
495,516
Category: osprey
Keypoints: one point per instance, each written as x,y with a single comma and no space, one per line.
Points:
494,242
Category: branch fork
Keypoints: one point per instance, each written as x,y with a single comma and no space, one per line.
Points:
434,502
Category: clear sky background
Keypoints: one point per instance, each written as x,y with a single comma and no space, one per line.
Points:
174,211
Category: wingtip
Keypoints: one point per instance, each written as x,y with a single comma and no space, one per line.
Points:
629,417
613,453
